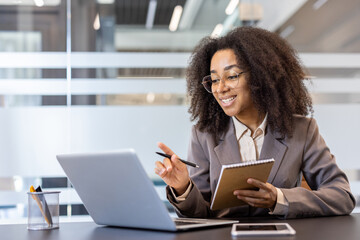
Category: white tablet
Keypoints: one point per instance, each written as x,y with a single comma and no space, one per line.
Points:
262,229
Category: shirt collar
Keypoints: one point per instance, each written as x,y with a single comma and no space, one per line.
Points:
241,129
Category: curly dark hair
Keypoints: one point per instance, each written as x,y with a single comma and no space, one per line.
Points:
275,80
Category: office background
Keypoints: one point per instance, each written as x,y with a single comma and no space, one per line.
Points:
99,75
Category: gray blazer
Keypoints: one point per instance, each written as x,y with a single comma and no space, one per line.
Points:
305,153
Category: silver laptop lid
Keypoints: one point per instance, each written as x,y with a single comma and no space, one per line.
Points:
116,190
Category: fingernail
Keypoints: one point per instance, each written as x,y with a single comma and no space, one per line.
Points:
162,171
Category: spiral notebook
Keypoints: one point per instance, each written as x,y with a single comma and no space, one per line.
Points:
234,176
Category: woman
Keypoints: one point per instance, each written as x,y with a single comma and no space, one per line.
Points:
249,100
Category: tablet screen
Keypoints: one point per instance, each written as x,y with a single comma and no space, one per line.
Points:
260,227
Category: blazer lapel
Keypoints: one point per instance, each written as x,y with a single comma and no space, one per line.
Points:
228,150
273,148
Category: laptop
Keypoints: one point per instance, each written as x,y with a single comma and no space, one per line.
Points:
116,191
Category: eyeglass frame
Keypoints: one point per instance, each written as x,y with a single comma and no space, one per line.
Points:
203,82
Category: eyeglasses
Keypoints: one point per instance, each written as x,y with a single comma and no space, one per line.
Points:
212,82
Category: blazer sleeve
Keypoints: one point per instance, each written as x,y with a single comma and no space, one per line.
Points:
330,193
197,203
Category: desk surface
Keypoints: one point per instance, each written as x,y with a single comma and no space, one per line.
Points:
341,227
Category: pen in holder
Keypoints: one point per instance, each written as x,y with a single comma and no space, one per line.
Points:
43,209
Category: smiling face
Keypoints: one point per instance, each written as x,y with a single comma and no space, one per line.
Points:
234,101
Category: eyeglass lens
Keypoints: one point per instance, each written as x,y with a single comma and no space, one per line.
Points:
213,81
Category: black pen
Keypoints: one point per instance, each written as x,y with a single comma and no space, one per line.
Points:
181,160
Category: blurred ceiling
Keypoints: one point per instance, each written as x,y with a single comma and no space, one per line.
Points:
134,12
324,26
198,19
310,26
143,25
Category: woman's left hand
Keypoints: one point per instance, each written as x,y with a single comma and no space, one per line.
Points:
265,197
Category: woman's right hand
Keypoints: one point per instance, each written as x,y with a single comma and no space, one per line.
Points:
172,171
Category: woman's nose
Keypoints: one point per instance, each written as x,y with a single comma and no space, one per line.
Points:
222,86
